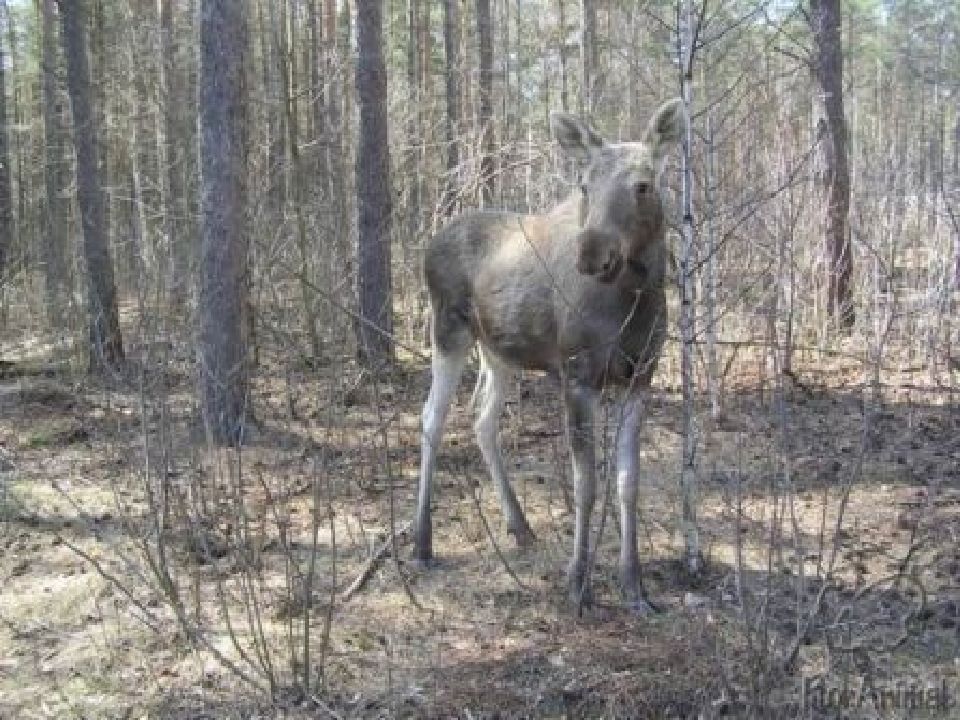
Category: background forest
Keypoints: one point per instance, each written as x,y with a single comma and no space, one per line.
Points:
213,357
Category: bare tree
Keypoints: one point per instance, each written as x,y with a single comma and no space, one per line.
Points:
298,172
374,204
485,36
106,345
415,118
54,224
175,154
562,50
686,286
223,264
826,20
451,48
6,190
589,57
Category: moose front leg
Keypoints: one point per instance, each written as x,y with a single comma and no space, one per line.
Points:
580,404
627,429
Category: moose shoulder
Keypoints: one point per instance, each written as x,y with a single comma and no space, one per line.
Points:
577,291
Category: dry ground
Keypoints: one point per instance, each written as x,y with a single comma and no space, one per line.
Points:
485,633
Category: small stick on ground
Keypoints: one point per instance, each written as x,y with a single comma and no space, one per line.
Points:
370,566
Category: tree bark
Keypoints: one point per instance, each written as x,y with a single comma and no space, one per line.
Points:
223,371
374,203
175,153
54,243
6,188
588,56
299,181
485,35
315,62
825,16
451,47
562,44
275,122
414,119
106,345
687,320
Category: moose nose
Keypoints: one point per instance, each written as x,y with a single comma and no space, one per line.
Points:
609,263
599,255
611,267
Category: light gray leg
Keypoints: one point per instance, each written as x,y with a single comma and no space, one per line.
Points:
446,370
580,405
627,429
492,395
480,387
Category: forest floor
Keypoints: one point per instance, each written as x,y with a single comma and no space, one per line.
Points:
486,632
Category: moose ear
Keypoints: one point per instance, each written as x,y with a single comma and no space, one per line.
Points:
665,129
577,139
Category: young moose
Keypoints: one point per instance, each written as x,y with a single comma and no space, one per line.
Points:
579,293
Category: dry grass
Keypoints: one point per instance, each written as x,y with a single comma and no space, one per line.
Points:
73,644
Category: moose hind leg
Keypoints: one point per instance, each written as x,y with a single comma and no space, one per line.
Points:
487,426
446,368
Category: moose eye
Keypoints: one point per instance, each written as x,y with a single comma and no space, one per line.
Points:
641,188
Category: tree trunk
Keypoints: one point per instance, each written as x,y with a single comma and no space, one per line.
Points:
337,99
222,309
175,154
275,121
143,205
485,35
106,345
315,62
451,47
17,151
825,16
6,189
588,56
414,120
564,90
956,149
687,321
298,184
54,223
100,92
374,204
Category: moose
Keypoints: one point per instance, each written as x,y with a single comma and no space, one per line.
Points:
577,292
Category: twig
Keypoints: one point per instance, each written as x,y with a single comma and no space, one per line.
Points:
315,699
489,532
370,566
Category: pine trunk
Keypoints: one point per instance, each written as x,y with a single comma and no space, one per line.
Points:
374,203
451,46
485,35
223,262
54,223
6,189
826,18
106,345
